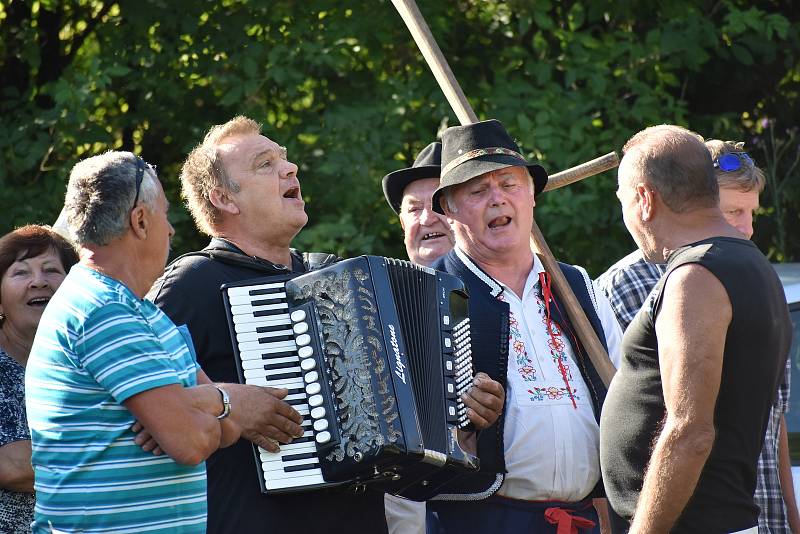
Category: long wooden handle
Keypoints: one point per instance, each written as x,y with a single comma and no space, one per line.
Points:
458,101
433,56
584,170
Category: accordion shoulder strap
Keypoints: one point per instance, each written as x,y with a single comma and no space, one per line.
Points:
318,260
311,260
230,257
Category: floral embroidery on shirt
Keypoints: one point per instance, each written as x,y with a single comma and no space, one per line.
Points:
525,366
552,392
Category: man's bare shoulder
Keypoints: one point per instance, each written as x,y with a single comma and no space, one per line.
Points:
696,294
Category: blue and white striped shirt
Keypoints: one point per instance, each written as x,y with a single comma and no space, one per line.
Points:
98,345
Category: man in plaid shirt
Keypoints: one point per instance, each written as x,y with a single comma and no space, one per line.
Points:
628,282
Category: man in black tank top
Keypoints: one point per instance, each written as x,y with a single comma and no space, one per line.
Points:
685,416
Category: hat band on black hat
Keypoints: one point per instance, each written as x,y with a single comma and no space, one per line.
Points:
478,152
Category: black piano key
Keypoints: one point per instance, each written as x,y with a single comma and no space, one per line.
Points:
273,328
275,339
305,439
270,355
295,468
268,291
281,376
302,456
282,365
295,402
295,391
263,302
267,313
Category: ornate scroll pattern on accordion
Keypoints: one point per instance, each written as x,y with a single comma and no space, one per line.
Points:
374,353
353,348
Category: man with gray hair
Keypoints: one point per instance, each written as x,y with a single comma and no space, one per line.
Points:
112,383
679,438
540,467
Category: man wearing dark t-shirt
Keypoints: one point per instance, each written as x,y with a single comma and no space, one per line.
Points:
242,191
685,416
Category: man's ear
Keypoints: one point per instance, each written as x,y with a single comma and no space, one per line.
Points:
646,197
139,223
223,201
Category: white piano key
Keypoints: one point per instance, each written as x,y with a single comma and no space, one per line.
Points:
247,300
289,448
298,315
255,336
241,309
245,290
284,447
277,346
299,479
285,383
248,322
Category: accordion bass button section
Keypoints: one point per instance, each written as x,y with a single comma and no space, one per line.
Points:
376,355
274,349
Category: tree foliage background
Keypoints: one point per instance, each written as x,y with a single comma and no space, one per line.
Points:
342,85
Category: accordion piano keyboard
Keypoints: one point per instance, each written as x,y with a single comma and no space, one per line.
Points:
275,351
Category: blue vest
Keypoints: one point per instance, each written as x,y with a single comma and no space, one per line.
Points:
489,332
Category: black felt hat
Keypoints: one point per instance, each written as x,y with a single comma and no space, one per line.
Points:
427,165
471,150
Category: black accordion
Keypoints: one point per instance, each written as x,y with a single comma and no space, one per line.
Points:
375,353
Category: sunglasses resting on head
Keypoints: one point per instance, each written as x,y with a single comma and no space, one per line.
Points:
732,161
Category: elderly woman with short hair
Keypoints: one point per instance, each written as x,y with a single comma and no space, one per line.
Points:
33,262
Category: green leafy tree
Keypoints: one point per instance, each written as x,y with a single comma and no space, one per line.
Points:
342,85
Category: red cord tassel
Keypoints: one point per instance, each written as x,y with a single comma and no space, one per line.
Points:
547,293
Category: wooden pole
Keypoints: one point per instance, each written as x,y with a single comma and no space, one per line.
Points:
458,101
584,170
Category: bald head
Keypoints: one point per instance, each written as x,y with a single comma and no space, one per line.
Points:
676,163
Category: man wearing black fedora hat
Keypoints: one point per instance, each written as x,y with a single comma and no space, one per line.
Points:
540,462
427,235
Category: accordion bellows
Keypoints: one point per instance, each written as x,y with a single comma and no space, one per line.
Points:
375,353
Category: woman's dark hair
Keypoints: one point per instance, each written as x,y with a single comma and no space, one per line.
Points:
30,241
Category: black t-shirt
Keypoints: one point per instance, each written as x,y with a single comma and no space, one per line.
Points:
756,347
188,292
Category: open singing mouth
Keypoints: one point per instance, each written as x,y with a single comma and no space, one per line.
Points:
497,222
39,301
432,235
292,192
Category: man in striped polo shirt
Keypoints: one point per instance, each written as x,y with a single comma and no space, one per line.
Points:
106,363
